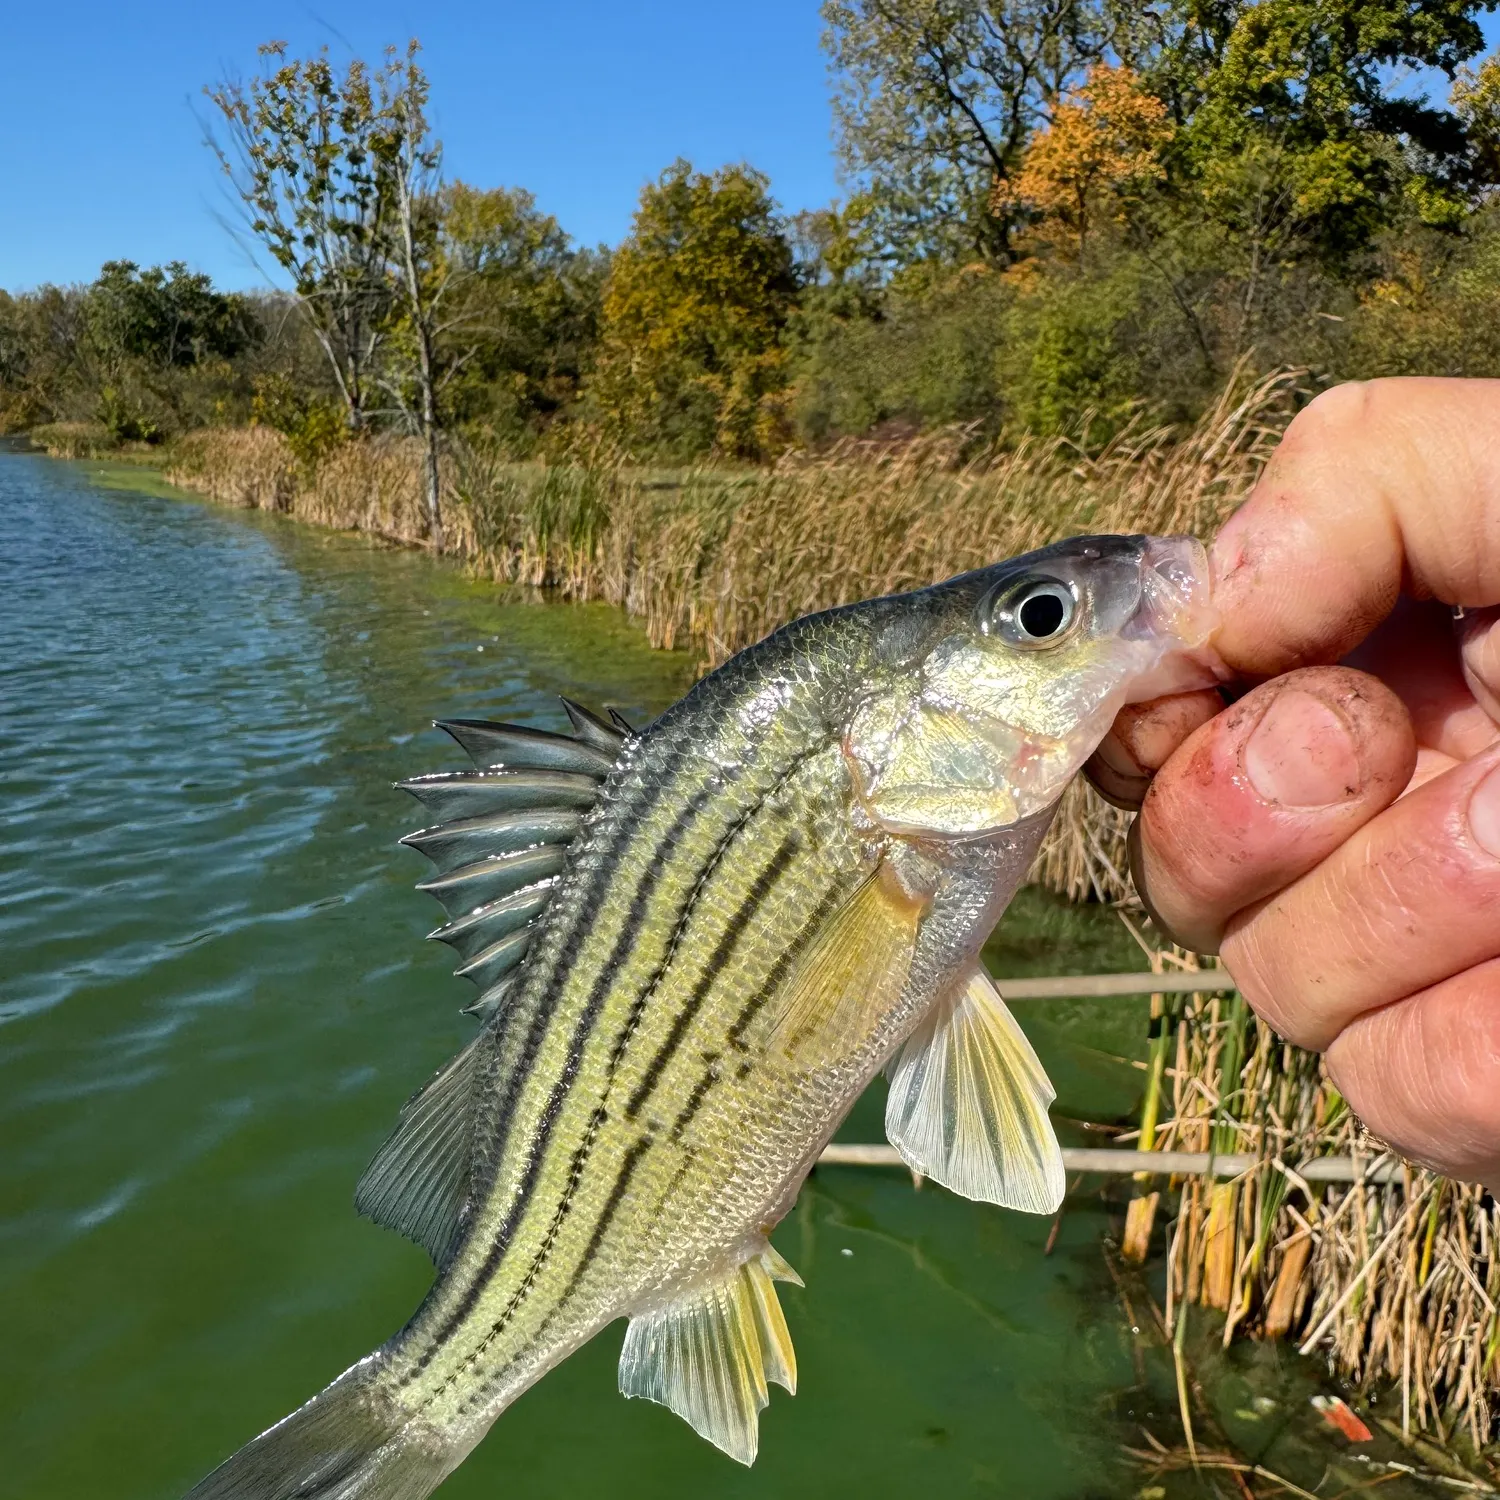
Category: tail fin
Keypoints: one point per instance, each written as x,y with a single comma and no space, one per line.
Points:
347,1443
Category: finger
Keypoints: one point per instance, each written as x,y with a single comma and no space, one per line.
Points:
1372,485
1415,653
1256,798
1142,739
1410,899
1424,1074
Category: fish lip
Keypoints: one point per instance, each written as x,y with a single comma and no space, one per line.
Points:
1176,609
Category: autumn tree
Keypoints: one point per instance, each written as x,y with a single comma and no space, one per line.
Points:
690,357
301,145
1103,145
935,101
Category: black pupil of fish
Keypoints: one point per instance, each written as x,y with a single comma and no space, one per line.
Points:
1042,615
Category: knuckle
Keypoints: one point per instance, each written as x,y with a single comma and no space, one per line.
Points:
1342,410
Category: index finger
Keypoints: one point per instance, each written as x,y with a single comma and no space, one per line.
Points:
1376,487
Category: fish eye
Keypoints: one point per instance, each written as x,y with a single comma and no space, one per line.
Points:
1034,613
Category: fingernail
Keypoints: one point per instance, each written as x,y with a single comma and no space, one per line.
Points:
1484,813
1301,753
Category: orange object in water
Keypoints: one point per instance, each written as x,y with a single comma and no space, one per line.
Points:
1338,1413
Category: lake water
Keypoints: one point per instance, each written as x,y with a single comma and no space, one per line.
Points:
215,997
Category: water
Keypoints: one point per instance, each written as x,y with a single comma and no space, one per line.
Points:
215,997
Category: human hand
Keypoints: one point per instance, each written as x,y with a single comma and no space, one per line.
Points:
1335,833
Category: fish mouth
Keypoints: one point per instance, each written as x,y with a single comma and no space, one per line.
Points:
1175,611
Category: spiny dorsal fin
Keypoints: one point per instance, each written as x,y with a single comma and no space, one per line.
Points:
593,730
494,747
476,794
968,1104
709,1355
418,1182
501,831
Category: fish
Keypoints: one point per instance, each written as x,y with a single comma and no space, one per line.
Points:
695,945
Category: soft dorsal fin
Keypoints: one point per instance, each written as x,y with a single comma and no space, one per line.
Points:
968,1103
418,1182
501,832
709,1355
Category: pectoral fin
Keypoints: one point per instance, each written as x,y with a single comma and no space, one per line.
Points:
709,1356
851,975
968,1104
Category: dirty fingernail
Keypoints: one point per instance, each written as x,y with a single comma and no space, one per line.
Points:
1301,754
1484,813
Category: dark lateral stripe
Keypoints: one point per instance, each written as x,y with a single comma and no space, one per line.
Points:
776,976
537,1150
520,1066
699,1094
611,1207
628,1165
764,884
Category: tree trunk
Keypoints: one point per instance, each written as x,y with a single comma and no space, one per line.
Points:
430,475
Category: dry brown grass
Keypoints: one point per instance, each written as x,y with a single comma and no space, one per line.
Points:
248,467
1395,1285
713,559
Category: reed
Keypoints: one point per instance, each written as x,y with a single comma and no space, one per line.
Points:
74,439
714,558
1395,1284
248,467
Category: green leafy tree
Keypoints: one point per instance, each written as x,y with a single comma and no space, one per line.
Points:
935,101
690,356
531,307
1300,90
1476,101
168,316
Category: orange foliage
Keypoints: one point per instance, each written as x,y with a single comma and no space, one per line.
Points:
1105,140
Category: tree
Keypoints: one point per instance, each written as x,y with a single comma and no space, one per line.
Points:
1303,86
168,316
690,357
1104,142
936,100
1476,101
424,278
530,307
303,152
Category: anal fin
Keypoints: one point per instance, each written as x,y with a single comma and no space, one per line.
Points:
968,1103
709,1356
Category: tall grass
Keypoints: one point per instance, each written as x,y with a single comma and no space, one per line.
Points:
714,558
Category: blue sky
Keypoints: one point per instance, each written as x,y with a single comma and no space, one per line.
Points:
579,100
